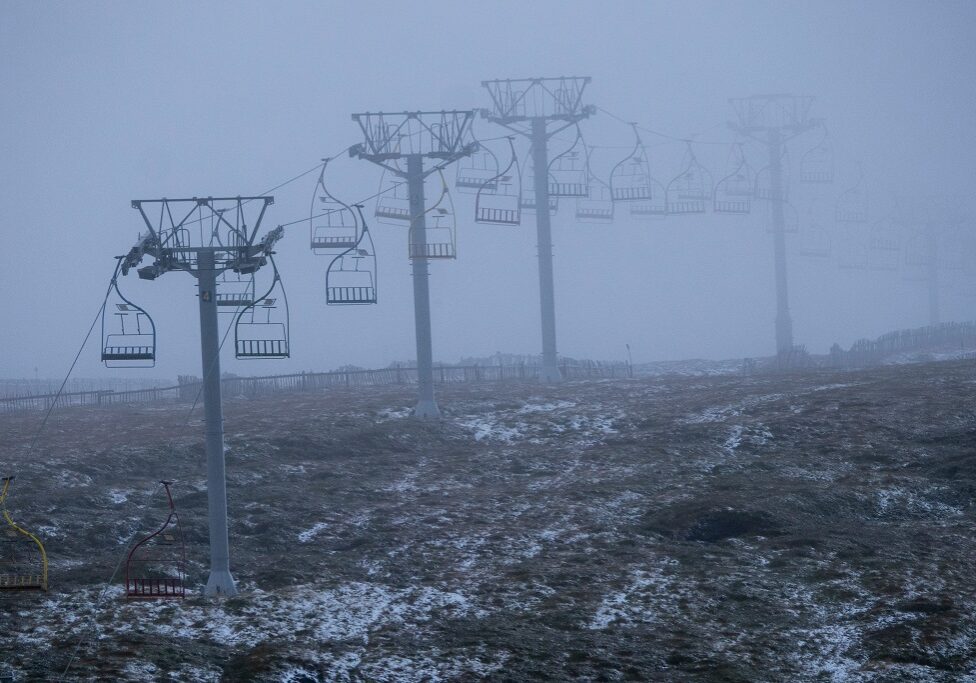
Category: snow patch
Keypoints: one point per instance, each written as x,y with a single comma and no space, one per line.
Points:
484,428
117,497
649,592
393,414
309,534
734,440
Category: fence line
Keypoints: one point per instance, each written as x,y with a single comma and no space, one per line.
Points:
867,352
312,381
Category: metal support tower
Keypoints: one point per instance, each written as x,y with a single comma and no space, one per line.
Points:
527,106
220,580
205,237
773,120
784,323
932,279
416,137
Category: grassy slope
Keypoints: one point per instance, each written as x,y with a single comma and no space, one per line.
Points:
813,527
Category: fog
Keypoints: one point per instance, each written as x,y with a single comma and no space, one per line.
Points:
104,103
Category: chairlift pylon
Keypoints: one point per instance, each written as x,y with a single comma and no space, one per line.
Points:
689,190
733,193
155,567
499,201
567,171
351,276
527,194
23,561
763,186
333,223
791,219
262,329
630,179
128,333
817,164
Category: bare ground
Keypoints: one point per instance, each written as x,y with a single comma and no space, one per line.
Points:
812,527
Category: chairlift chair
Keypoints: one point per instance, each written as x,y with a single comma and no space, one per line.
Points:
333,224
234,290
23,561
814,241
884,245
630,179
500,201
393,203
262,329
817,164
689,190
351,276
439,234
156,566
501,208
567,171
852,204
791,218
128,333
477,173
733,193
598,206
915,259
654,207
854,254
763,186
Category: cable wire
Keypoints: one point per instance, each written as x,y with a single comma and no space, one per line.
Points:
67,376
658,133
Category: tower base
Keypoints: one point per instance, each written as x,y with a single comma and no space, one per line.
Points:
426,410
220,584
550,374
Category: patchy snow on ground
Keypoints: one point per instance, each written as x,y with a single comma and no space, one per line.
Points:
117,497
485,428
808,527
349,611
310,533
535,422
638,601
393,414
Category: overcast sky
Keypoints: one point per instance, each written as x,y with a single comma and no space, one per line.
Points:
105,102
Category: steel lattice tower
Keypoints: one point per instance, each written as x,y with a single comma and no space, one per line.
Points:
416,137
527,106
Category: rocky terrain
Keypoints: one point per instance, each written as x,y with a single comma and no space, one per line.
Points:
816,526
